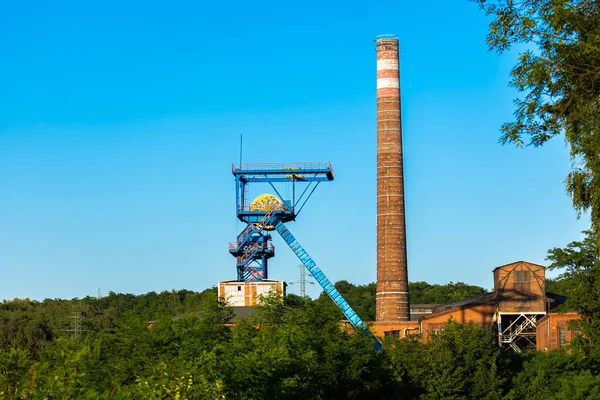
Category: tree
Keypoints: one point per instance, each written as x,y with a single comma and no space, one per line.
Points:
362,297
464,362
425,293
559,74
555,375
581,266
13,367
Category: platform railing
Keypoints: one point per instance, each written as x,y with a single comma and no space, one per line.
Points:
255,208
250,229
253,249
282,166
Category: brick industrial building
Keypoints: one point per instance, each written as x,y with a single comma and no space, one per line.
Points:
519,311
515,310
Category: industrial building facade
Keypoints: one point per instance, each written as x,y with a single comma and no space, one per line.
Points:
519,311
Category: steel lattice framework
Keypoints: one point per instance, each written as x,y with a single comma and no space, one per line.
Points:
267,212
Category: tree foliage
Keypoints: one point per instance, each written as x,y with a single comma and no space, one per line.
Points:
558,73
287,350
362,297
555,375
425,293
580,266
465,362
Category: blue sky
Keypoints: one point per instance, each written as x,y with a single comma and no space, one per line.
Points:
120,120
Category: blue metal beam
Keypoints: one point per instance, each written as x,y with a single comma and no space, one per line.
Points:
325,283
264,179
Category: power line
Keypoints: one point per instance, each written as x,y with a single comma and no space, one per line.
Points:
76,328
303,281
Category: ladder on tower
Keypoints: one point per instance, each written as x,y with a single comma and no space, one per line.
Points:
250,246
325,283
245,237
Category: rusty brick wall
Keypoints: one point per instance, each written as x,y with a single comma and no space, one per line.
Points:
479,314
392,273
548,330
528,296
402,329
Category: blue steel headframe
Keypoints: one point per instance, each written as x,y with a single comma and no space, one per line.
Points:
307,173
252,245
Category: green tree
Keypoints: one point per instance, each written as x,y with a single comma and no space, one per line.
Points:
425,293
362,297
14,364
464,362
580,264
406,360
559,74
555,375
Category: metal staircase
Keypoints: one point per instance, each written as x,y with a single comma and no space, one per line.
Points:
252,250
251,229
519,333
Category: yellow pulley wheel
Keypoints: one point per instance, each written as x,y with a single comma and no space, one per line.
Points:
266,202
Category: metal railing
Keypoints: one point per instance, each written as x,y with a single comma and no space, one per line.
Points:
253,249
261,207
250,229
282,166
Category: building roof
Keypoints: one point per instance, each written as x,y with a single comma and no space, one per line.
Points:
423,306
258,282
479,299
516,262
487,298
240,312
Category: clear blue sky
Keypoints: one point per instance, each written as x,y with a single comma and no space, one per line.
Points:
119,121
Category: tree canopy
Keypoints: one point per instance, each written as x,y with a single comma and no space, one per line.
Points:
293,349
362,297
580,266
558,73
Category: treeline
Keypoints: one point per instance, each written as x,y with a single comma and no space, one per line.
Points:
102,347
294,349
362,297
283,351
30,325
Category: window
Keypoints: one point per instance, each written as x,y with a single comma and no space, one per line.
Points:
521,276
239,288
436,329
390,334
562,334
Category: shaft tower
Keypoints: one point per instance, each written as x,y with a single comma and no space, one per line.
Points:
269,212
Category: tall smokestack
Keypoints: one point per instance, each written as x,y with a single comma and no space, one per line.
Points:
392,272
